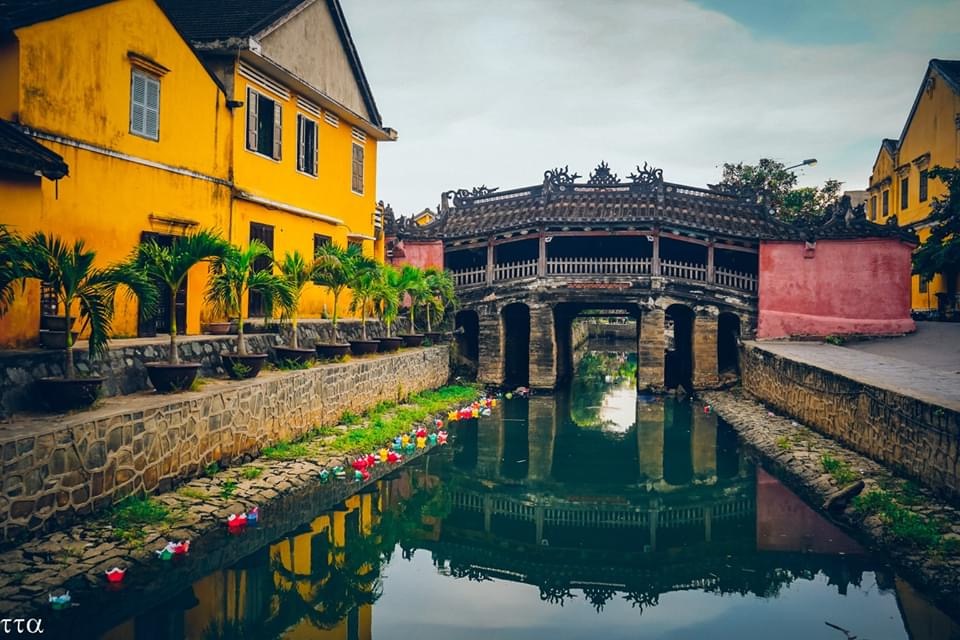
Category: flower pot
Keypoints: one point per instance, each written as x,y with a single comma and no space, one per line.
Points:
329,351
435,337
217,328
282,355
56,323
65,394
170,378
56,339
239,367
363,347
412,339
389,345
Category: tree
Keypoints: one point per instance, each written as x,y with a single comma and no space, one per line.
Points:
170,266
71,276
363,287
297,273
941,251
387,291
336,268
233,276
416,286
443,291
11,267
769,183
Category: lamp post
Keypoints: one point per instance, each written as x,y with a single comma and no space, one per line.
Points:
809,162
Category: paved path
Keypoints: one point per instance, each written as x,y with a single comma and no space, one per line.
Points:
885,372
935,345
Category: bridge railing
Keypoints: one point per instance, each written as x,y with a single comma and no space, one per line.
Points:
598,266
683,270
736,279
469,277
515,270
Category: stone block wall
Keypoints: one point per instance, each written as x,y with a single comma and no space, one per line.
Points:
915,438
56,471
122,366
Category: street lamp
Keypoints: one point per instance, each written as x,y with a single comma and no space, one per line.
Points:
809,162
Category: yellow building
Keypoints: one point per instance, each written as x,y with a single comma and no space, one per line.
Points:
899,183
173,119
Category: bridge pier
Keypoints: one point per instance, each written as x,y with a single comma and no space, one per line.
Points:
705,369
650,350
650,442
703,444
543,348
541,434
490,358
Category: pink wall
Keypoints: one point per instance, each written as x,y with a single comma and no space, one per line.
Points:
423,254
855,286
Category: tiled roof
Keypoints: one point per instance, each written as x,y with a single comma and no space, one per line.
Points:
950,70
19,152
890,144
20,13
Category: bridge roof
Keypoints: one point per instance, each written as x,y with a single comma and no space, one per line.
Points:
605,202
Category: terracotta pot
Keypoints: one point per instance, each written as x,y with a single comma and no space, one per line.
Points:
218,328
63,394
329,351
239,367
363,347
295,356
170,378
412,339
389,345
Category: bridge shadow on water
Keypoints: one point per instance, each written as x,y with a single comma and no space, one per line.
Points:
593,512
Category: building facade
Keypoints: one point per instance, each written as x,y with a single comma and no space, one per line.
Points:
172,118
900,184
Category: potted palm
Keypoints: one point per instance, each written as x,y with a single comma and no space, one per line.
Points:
11,267
91,291
363,285
169,266
297,273
336,267
415,286
387,291
233,276
443,295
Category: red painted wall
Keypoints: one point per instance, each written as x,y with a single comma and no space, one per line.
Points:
856,286
423,254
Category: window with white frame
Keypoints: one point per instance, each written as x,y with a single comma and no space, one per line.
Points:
357,169
144,105
264,124
306,145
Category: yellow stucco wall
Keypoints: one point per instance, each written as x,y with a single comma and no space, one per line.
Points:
931,138
71,85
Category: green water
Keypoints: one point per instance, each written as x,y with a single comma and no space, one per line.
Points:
589,514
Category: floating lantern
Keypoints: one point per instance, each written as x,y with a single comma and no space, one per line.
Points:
339,472
253,516
438,423
166,553
236,521
421,433
410,448
421,442
432,439
359,464
405,440
508,396
61,601
371,460
393,456
485,411
706,408
493,403
475,413
324,476
115,575
442,437
451,416
384,454
397,444
181,548
770,413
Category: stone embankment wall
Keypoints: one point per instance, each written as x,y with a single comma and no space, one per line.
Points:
914,437
122,366
57,469
613,331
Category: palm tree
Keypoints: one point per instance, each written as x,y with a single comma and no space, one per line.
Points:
417,288
364,283
336,268
11,266
441,285
297,273
387,291
233,276
76,283
171,264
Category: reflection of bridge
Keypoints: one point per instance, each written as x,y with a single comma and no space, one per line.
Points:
527,261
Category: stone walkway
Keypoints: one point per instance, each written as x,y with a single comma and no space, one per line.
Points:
794,453
935,345
885,372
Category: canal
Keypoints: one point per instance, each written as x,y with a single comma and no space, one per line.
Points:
592,513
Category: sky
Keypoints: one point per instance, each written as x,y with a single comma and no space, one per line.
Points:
495,92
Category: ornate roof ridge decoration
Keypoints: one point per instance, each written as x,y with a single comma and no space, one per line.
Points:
842,220
603,176
647,179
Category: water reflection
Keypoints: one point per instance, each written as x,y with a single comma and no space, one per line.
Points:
546,514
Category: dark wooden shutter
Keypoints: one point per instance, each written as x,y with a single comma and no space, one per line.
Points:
301,146
277,129
316,148
263,233
252,104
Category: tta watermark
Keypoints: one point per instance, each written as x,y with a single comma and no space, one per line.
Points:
31,626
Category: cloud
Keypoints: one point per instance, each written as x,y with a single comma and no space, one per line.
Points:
497,92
